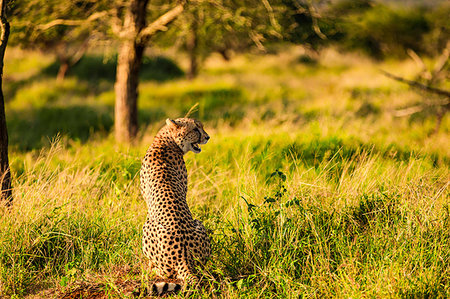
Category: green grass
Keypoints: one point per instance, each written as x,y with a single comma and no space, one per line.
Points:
309,185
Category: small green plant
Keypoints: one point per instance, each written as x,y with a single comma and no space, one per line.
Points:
70,270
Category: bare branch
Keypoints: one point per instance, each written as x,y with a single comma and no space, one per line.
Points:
444,104
441,61
160,23
81,51
272,18
315,24
116,22
65,22
423,68
311,11
257,38
418,85
408,111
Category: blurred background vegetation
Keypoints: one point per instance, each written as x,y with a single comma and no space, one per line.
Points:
323,176
76,44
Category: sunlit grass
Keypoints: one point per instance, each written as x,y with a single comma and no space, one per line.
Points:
309,185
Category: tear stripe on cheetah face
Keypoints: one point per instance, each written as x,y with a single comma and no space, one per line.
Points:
188,134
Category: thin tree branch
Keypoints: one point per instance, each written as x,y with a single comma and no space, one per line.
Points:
442,61
423,68
272,18
414,109
116,22
257,38
58,22
417,84
160,23
315,23
80,52
408,111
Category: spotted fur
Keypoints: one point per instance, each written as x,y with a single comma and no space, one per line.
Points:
172,240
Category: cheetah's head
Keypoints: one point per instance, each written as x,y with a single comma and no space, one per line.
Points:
188,133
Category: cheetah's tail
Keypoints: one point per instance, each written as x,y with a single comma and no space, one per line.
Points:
163,287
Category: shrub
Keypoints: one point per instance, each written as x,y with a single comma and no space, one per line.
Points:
384,31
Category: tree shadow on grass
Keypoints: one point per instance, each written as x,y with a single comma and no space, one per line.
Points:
332,155
348,154
34,128
95,69
215,104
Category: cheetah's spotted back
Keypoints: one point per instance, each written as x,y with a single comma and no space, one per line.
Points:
172,239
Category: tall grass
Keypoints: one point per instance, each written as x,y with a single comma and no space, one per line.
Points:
303,198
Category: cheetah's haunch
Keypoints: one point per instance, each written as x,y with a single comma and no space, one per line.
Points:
172,240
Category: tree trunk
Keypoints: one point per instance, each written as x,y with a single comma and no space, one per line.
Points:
68,58
127,72
63,68
63,57
5,174
127,80
225,54
192,47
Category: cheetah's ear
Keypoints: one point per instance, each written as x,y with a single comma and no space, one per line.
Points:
171,123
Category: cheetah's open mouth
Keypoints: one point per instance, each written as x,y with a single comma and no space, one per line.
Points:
195,147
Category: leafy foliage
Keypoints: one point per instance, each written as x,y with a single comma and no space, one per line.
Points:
309,186
383,31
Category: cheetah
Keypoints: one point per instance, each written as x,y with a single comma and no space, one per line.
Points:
173,240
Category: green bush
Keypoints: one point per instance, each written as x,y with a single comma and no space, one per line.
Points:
384,31
374,28
439,34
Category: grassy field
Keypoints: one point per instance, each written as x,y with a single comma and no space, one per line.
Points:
309,185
